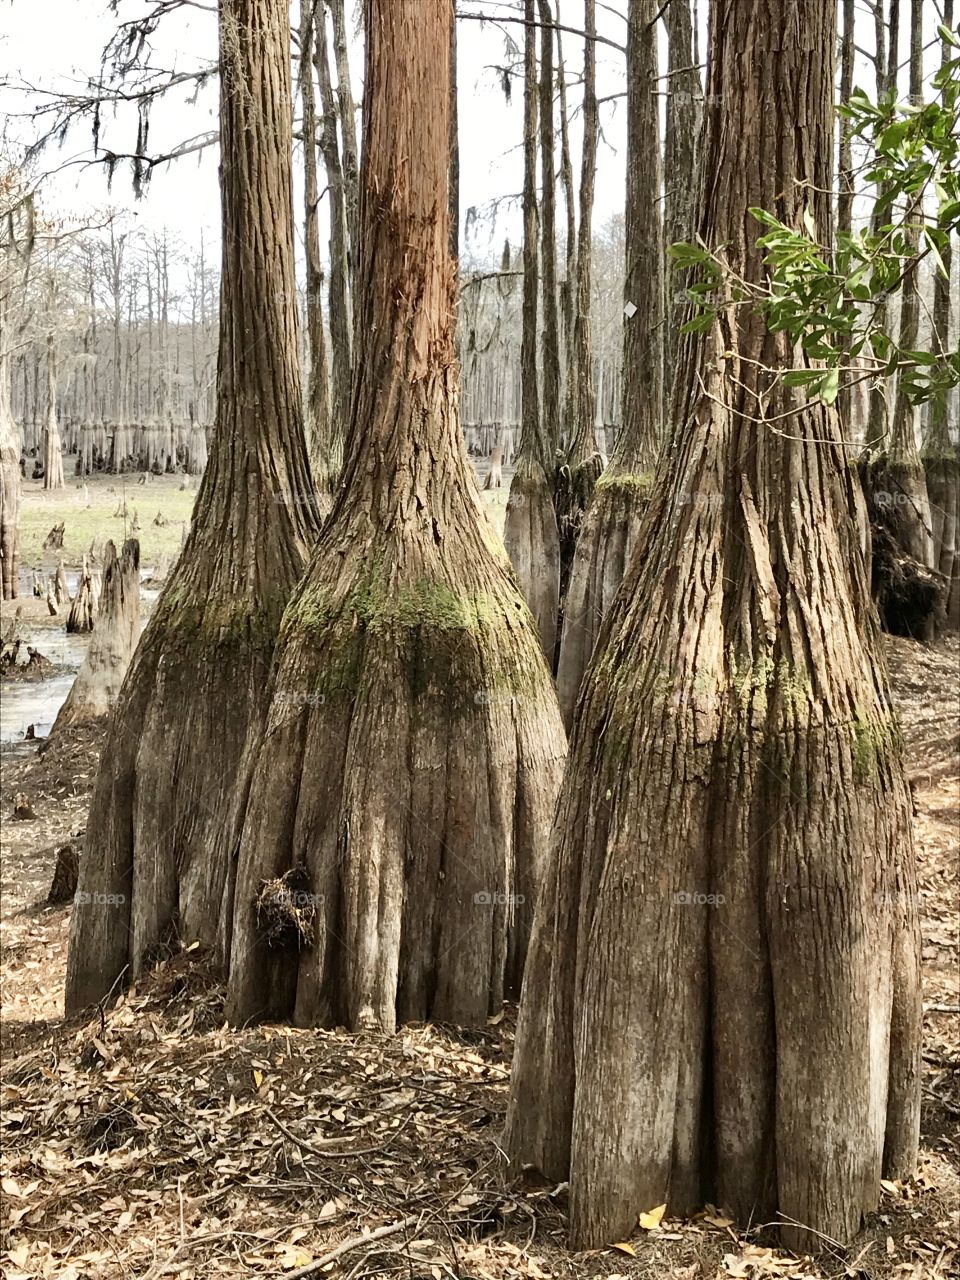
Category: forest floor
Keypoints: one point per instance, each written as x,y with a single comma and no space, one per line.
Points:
155,1141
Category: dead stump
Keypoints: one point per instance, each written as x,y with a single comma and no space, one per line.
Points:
115,637
65,875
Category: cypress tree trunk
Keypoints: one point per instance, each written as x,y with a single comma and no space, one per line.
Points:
9,473
341,313
845,176
530,527
548,239
583,462
199,677
940,457
568,286
885,63
348,130
115,634
722,996
616,508
52,446
897,481
325,440
680,163
409,768
453,183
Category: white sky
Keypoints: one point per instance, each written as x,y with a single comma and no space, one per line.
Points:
56,44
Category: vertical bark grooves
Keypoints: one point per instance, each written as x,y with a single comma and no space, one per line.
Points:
530,528
680,163
340,304
885,63
324,437
845,171
732,863
548,238
613,518
9,469
413,746
198,678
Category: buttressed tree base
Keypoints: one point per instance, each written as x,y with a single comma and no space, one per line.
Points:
721,998
413,747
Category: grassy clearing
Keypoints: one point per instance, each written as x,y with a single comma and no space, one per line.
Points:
87,509
89,512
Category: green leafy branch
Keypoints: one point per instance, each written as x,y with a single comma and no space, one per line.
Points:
832,303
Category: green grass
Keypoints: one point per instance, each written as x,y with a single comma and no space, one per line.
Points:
87,518
41,509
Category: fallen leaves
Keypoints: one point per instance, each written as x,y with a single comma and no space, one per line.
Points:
651,1220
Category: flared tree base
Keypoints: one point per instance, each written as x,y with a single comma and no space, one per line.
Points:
154,862
607,539
408,773
533,545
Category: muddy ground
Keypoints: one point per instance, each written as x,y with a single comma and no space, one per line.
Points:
154,1141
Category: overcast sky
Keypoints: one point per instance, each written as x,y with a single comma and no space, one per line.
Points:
56,44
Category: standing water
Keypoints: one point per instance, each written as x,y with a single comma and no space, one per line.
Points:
37,702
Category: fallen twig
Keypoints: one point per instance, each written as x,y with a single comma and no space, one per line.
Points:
346,1245
339,1154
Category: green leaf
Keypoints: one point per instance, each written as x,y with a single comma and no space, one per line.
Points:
830,387
688,255
767,219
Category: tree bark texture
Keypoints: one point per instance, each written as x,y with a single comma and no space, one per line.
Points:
325,444
199,677
52,445
684,120
9,478
530,527
613,518
339,296
721,1000
413,747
